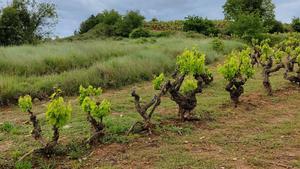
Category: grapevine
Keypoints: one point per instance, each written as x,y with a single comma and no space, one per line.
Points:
237,69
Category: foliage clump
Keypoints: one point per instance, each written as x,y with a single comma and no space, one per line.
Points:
58,112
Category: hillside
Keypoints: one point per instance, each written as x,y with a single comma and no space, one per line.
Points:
35,70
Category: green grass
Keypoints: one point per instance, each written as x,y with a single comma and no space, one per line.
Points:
106,63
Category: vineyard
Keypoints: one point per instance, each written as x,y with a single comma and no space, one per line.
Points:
201,109
149,84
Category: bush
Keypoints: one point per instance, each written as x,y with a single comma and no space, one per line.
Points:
139,33
296,24
200,25
218,45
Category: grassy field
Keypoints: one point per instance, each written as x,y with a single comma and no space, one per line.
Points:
106,63
263,132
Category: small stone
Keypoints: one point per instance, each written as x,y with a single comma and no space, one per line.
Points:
235,159
186,142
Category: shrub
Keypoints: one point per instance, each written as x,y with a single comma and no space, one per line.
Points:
200,25
218,45
139,33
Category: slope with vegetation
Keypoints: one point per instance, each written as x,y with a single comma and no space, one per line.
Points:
108,64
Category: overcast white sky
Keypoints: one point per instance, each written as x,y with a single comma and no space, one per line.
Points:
72,12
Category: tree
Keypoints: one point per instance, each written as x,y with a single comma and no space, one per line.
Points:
247,26
237,69
25,21
200,25
88,24
131,21
11,27
263,8
296,24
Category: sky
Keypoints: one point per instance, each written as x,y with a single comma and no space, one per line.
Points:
73,12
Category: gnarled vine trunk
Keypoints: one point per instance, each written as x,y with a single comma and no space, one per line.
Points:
37,131
48,149
186,102
97,128
267,70
146,111
236,89
290,68
255,57
295,78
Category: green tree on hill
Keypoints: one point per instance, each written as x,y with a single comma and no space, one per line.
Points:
25,21
111,23
264,9
238,11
